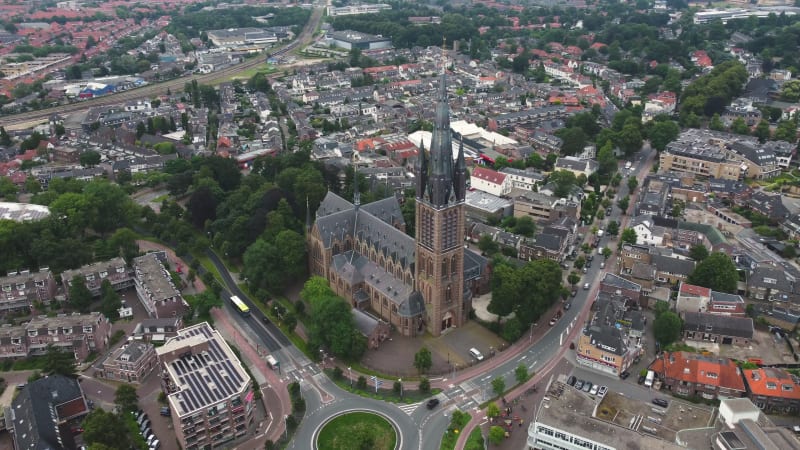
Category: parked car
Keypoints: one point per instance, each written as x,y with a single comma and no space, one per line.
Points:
476,354
155,445
579,385
165,411
641,379
624,374
594,389
587,386
602,391
145,425
602,265
151,439
574,292
589,257
432,403
660,402
571,380
586,286
567,306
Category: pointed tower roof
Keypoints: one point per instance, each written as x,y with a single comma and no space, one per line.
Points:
441,173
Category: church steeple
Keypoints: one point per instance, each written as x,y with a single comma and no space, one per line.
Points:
460,174
440,181
421,171
356,192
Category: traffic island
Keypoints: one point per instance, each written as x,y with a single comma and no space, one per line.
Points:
358,429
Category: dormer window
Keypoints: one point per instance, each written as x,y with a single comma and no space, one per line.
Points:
771,385
20,286
120,269
90,277
32,333
7,288
787,387
103,274
87,329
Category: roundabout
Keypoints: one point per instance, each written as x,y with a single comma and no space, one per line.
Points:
358,429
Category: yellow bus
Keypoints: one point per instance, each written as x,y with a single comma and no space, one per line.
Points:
239,305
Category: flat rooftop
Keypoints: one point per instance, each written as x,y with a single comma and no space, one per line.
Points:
617,421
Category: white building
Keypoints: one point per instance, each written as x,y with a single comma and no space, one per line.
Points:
647,233
353,10
490,181
522,179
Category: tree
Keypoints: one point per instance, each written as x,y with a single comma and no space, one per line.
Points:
58,362
667,328
698,252
607,252
525,227
762,131
89,158
499,385
110,302
487,245
423,360
787,130
662,133
32,185
79,295
573,278
623,204
8,190
521,373
505,288
563,182
492,411
126,398
606,159
573,140
613,228
630,139
107,429
628,236
739,126
397,387
716,123
716,272
424,385
204,302
633,183
496,435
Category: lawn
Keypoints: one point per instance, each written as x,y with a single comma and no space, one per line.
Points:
357,430
457,423
475,440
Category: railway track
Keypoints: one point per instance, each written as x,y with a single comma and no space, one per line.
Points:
29,118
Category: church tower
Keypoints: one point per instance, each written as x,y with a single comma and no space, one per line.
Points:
441,188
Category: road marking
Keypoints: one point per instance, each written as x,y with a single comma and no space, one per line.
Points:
523,357
409,409
533,365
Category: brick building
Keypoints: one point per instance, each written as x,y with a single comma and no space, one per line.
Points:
114,270
773,390
20,291
695,375
76,333
130,363
154,287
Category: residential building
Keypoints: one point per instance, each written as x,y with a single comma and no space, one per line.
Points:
523,179
577,166
42,414
696,375
490,181
767,282
567,419
79,334
154,287
157,330
647,232
414,284
208,389
20,291
131,362
603,345
544,208
543,246
694,153
717,329
115,271
481,205
773,390
693,298
616,285
671,269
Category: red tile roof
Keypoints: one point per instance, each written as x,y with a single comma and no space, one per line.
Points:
772,382
696,368
697,291
488,175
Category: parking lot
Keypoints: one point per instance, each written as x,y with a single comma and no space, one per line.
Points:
765,346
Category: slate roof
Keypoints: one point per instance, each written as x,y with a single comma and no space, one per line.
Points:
716,324
616,281
548,241
764,272
364,322
39,407
724,297
672,265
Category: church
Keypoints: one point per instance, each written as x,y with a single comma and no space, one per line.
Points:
418,285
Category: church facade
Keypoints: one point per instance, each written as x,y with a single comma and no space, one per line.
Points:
418,285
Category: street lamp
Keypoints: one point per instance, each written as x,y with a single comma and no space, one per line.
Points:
530,339
285,426
400,380
350,375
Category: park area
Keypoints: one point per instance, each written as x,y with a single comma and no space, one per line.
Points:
357,430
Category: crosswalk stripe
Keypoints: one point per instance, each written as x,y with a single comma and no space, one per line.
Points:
409,409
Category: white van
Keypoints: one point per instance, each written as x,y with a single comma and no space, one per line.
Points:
476,354
651,376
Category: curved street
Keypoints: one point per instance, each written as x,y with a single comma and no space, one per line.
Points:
546,357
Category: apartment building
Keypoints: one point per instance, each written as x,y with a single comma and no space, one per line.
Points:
604,345
523,179
76,333
773,390
490,181
695,375
154,287
20,291
157,330
131,363
208,390
114,270
544,208
704,162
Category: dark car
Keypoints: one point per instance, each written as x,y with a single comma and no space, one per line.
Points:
624,375
571,380
641,379
660,402
265,319
589,257
165,411
579,385
432,403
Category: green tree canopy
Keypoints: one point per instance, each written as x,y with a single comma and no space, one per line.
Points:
564,181
423,360
628,236
698,252
499,385
126,398
59,362
106,429
79,295
667,328
716,272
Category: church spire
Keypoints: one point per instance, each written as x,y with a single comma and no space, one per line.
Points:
460,173
421,170
440,182
356,193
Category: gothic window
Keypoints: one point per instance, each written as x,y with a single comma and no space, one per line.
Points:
448,295
444,267
348,245
453,265
430,266
336,248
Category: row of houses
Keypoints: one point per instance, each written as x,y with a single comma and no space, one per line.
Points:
26,291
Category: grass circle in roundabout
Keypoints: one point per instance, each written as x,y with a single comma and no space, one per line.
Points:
357,430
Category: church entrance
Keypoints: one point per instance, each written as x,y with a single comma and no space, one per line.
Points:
447,321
